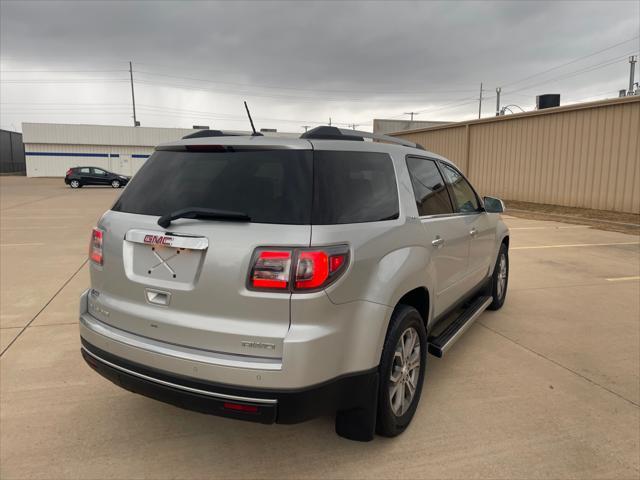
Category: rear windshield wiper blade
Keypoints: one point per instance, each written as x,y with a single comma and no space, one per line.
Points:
196,212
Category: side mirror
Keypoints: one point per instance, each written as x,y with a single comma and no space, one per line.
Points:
493,205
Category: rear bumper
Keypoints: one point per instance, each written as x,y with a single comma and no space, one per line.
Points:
325,341
258,405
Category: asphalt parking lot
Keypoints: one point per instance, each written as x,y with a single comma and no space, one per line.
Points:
548,387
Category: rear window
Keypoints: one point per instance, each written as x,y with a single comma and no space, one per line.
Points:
353,187
292,187
271,186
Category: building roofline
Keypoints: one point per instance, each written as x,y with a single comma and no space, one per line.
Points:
546,111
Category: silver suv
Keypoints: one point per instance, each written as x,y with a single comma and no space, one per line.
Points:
275,280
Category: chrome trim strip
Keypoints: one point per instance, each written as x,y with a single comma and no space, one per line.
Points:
177,351
176,240
448,215
466,326
223,396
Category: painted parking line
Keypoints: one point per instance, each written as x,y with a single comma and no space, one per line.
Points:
623,279
51,217
537,247
21,244
34,228
548,228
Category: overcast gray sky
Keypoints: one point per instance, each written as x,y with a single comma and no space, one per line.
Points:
299,63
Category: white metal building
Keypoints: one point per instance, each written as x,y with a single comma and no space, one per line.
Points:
51,149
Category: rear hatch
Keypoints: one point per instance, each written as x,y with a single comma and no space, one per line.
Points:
186,284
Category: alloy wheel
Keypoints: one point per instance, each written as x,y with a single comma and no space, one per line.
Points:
405,372
502,276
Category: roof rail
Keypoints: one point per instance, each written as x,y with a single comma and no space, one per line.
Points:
334,133
215,133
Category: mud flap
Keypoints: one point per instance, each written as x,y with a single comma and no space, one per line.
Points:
359,423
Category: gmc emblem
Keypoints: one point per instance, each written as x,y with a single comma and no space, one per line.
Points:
158,240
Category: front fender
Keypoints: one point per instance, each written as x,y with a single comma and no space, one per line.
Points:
502,232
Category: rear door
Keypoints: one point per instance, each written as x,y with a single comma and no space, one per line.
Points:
99,176
84,173
446,232
480,229
187,284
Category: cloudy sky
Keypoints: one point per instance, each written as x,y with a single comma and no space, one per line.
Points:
299,63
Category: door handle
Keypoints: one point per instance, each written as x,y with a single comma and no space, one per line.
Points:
437,242
473,232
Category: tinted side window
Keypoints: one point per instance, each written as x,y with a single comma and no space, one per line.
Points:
97,171
428,187
353,187
84,170
463,195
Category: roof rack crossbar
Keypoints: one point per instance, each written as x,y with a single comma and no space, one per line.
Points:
334,133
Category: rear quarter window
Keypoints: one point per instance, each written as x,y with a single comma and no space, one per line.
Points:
353,187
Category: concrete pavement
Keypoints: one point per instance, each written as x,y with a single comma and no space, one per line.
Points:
547,387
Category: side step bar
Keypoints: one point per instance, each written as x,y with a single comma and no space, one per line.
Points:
439,345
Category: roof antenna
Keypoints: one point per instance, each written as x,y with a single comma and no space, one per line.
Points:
254,134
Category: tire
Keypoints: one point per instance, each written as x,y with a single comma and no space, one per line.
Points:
75,184
393,415
115,183
500,279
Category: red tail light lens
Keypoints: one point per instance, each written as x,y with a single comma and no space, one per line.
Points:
69,172
314,269
95,247
271,269
336,262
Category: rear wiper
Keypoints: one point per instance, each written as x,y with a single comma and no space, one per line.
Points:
196,212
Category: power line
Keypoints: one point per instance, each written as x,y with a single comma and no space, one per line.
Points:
73,81
249,85
571,61
61,71
587,69
236,92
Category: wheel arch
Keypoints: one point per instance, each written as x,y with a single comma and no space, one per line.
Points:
419,299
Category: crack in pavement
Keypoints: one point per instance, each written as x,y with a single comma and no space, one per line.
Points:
32,201
559,365
44,307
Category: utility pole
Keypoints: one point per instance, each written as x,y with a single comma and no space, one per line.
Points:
133,97
412,114
632,71
480,105
329,121
353,126
306,127
498,90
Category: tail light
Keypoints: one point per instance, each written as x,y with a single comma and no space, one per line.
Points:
297,269
271,269
69,172
95,246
